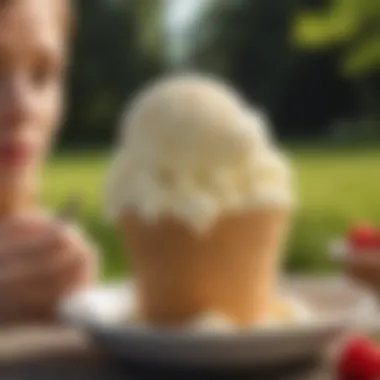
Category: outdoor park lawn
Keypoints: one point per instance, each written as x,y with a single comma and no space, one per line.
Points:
337,187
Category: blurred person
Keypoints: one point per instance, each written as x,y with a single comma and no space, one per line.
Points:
42,258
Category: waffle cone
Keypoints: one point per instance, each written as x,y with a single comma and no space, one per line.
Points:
233,269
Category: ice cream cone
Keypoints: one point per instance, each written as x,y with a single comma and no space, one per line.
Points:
203,200
232,269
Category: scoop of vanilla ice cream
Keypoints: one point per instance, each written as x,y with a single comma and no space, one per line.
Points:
288,311
192,149
211,321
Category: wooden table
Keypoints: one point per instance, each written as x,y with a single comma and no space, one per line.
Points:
39,353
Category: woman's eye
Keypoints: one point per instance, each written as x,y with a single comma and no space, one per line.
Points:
45,72
41,75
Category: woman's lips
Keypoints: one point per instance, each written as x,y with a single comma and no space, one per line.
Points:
14,154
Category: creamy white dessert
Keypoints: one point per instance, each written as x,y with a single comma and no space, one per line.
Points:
203,200
213,164
289,311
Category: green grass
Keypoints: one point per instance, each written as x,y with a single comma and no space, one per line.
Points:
336,188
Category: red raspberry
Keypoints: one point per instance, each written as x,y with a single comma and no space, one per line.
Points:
360,360
364,238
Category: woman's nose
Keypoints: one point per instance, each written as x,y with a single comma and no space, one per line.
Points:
15,104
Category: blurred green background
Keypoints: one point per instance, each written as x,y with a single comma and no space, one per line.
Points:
311,65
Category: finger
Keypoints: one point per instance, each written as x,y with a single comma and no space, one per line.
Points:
78,274
84,272
85,254
46,281
45,261
26,269
19,256
20,237
34,286
47,289
37,255
20,225
30,251
34,289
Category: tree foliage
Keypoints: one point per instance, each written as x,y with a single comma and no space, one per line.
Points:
286,56
249,42
113,54
350,25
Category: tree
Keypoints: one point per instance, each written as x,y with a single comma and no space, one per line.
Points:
248,41
350,25
110,62
353,28
244,38
148,16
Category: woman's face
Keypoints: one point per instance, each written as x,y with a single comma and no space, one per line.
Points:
32,61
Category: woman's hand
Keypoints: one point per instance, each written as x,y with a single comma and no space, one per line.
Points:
41,261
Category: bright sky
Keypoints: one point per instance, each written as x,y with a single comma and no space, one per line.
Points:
179,17
180,13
